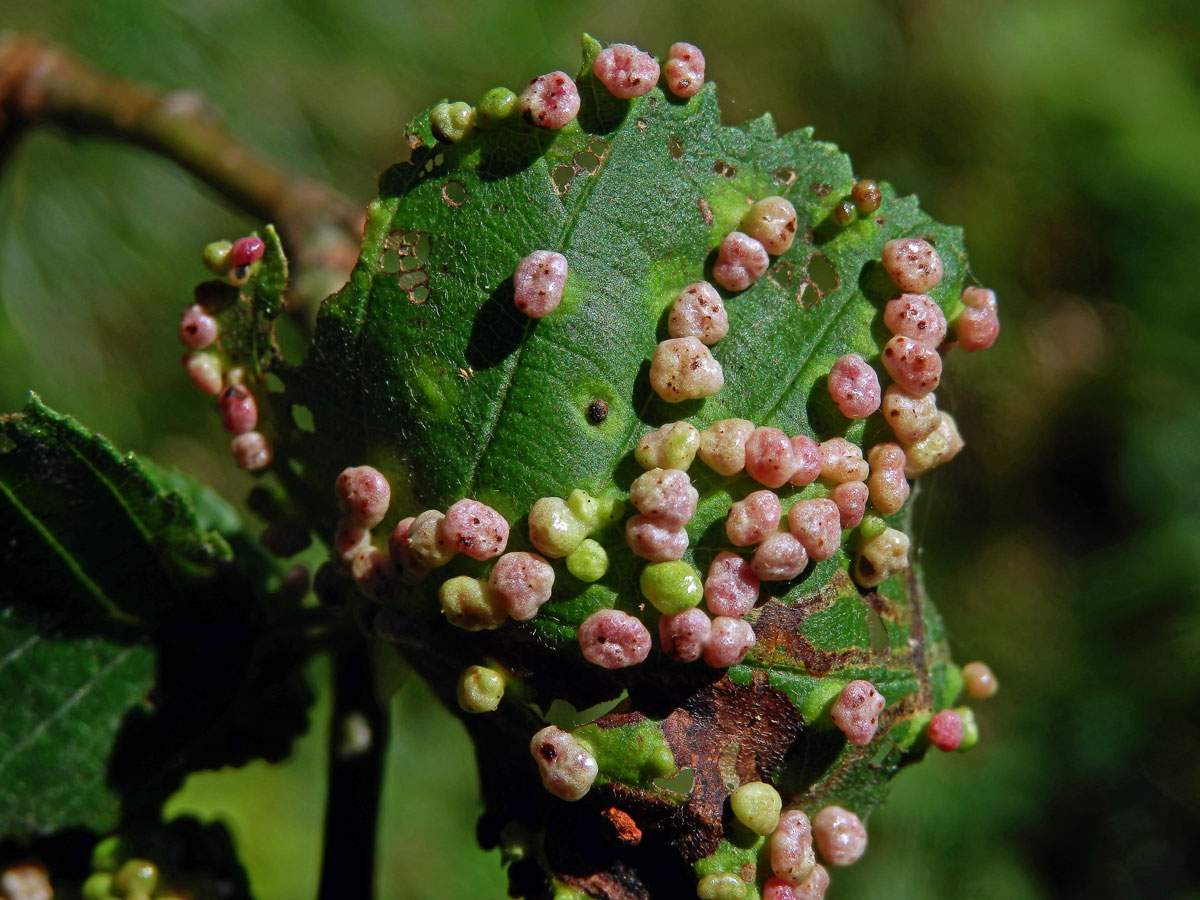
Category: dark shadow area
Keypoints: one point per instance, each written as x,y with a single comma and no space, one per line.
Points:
497,330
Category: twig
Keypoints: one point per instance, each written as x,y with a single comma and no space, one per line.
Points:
357,743
44,84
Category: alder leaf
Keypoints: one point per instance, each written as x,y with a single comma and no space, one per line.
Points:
422,367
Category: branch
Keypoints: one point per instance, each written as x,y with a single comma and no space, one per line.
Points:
357,745
44,84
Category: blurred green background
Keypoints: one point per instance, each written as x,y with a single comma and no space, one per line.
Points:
1063,546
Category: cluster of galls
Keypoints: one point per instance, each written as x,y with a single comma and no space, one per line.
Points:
551,101
208,365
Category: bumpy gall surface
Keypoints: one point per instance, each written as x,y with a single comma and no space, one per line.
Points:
741,261
429,548
684,634
550,101
524,582
553,528
684,69
940,446
854,387
851,499
772,222
791,849
916,316
911,418
979,324
654,542
613,639
728,642
363,494
566,766
723,445
913,264
471,604
809,460
538,283
239,411
665,496
205,371
731,587
672,446
753,518
626,71
251,451
197,329
475,529
684,369
757,805
856,712
245,251
839,835
945,730
916,367
769,458
842,460
479,689
699,312
780,557
817,524
401,553
887,485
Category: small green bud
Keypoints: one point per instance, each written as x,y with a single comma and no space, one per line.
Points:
137,876
588,562
872,526
472,603
660,763
954,683
757,806
496,105
452,122
970,728
107,854
672,587
216,257
480,689
99,886
819,699
721,886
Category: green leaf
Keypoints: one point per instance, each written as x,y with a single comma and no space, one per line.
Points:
422,367
140,649
87,531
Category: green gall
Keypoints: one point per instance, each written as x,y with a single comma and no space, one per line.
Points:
567,892
480,689
107,854
553,529
588,562
872,526
216,257
970,728
672,587
137,876
99,886
673,446
451,122
721,886
757,805
496,105
818,701
471,603
594,512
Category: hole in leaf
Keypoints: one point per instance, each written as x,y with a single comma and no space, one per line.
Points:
390,262
675,147
562,176
680,783
820,188
419,294
785,176
586,162
782,274
454,193
303,418
641,124
565,716
876,631
822,275
599,148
